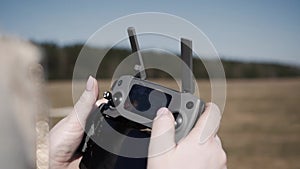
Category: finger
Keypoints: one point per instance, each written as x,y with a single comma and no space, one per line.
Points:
163,133
208,123
218,140
75,163
101,101
86,102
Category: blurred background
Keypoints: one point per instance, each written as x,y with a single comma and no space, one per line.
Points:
258,42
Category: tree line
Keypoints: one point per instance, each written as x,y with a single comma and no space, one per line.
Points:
59,63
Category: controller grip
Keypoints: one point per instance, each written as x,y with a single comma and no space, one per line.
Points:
97,113
94,156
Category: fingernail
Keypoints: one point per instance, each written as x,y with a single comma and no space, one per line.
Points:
161,112
90,83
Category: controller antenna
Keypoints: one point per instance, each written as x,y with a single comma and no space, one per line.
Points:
187,81
136,49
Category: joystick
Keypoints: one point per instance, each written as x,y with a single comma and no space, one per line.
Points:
108,96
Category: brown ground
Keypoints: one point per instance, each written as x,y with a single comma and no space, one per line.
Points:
260,126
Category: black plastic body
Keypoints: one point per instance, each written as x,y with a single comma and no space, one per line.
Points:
95,157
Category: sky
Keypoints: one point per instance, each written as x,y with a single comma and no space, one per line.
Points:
256,30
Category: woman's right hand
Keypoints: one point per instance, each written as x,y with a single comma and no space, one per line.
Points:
201,149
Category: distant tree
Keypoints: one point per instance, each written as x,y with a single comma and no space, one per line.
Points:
59,64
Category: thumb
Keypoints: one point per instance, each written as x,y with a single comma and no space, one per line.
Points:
67,134
208,124
86,101
163,133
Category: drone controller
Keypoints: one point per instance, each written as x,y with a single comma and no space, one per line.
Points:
132,105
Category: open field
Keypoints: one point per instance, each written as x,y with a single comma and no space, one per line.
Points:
260,126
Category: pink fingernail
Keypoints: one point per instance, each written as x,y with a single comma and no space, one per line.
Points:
90,83
161,112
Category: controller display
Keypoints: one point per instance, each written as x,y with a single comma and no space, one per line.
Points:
146,101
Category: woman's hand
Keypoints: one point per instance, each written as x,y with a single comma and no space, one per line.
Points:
66,135
200,149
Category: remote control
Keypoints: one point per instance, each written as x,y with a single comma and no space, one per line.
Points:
132,105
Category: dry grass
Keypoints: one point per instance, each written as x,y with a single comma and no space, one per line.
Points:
260,126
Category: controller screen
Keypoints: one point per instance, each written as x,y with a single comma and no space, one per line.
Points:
146,101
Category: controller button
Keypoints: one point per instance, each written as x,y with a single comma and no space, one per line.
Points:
120,82
107,95
117,98
178,121
189,105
